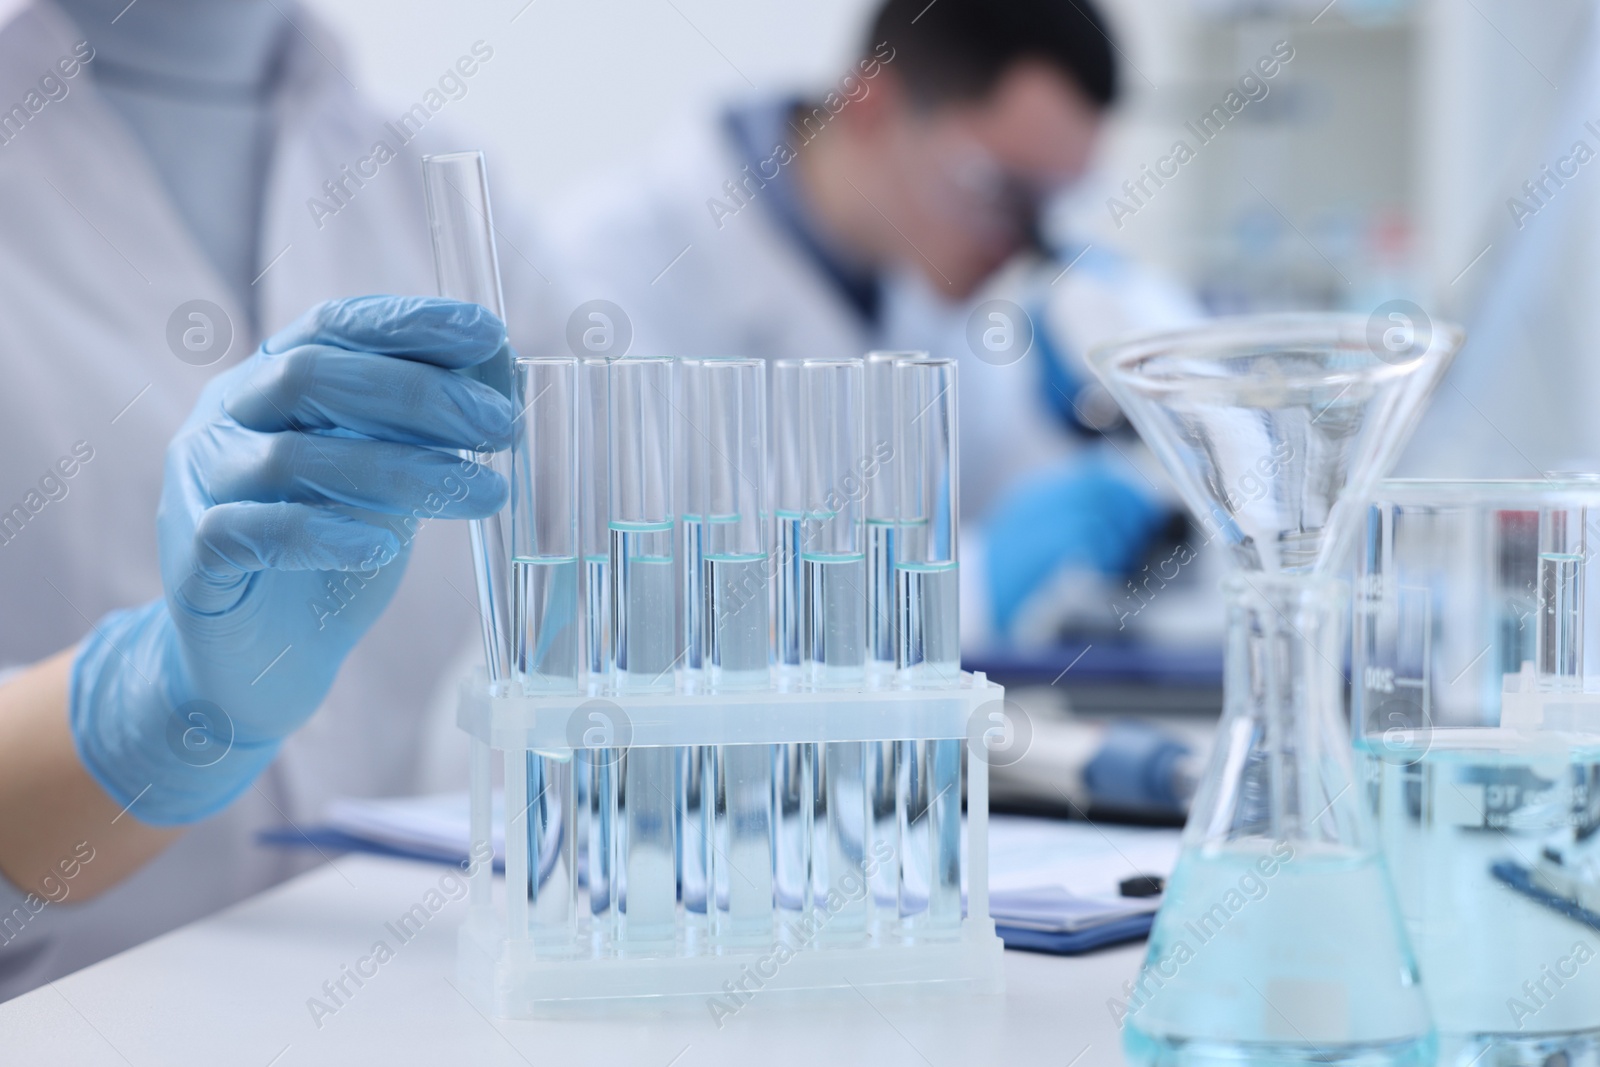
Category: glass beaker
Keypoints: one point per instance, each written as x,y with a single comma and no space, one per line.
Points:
1476,695
1279,940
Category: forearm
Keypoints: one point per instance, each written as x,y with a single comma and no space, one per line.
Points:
51,811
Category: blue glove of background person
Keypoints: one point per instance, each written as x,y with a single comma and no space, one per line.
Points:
303,471
1082,516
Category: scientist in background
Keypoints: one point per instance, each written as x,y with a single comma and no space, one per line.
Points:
886,213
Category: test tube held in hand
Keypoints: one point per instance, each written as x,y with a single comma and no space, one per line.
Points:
467,268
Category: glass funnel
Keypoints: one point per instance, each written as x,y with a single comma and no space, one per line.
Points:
1279,940
1476,700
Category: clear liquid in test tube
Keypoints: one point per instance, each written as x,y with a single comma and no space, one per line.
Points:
597,770
546,636
796,767
696,764
690,444
737,637
467,268
697,767
788,513
927,584
833,558
594,513
1558,641
882,509
644,577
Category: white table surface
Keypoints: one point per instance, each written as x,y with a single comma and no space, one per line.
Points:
233,989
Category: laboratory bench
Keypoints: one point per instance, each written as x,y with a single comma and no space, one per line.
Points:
251,985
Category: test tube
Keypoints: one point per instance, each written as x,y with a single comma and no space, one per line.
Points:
788,510
690,447
594,514
833,559
643,623
1558,638
833,551
545,636
696,764
456,185
927,605
738,633
596,770
927,579
882,508
796,763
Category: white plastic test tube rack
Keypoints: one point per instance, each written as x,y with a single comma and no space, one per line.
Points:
753,821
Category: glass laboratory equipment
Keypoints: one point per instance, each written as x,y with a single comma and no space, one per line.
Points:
882,508
737,638
545,631
468,268
834,567
1279,939
927,636
1476,698
690,442
594,513
644,577
797,764
672,831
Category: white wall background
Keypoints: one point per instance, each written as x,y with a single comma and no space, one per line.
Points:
578,85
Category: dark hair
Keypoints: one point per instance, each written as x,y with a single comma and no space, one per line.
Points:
958,49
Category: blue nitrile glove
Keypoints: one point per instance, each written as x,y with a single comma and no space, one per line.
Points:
291,498
1083,515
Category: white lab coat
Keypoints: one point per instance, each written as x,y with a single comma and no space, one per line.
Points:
94,259
692,287
696,284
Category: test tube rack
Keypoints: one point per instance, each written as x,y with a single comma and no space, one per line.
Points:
516,964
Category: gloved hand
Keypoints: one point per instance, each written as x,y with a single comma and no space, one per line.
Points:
1083,516
291,498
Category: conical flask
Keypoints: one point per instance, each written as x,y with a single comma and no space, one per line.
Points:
1279,940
